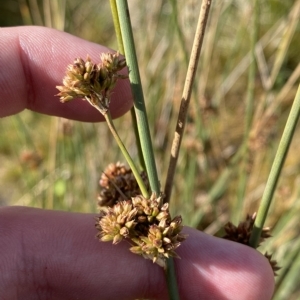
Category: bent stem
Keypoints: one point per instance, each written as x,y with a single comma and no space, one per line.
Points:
275,171
127,156
111,126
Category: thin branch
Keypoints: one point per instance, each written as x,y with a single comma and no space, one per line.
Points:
283,147
138,96
186,95
114,11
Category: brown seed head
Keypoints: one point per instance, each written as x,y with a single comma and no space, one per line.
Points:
92,82
146,223
115,222
118,181
241,233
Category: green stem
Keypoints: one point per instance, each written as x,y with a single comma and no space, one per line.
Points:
171,280
138,140
142,122
127,156
114,12
275,171
138,97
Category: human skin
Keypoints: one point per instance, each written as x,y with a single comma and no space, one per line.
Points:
55,255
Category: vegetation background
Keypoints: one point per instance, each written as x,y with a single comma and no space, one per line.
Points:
55,163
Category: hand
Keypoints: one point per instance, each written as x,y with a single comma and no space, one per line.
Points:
55,255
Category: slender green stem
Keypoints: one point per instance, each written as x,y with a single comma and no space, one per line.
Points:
114,11
275,171
138,97
127,156
138,140
142,122
171,280
186,95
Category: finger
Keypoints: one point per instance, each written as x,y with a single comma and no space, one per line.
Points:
33,62
219,269
56,253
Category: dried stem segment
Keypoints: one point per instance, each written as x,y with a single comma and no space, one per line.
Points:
186,95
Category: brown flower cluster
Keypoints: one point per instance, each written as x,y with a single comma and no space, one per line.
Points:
118,183
92,82
273,263
146,224
241,234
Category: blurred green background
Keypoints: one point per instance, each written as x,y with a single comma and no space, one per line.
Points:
55,163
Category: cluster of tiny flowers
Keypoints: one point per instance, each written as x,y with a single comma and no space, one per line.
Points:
241,234
118,183
146,224
92,82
